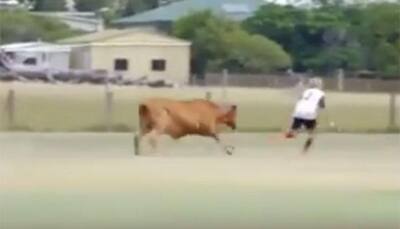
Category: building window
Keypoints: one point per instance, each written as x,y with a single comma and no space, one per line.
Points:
121,65
158,65
30,61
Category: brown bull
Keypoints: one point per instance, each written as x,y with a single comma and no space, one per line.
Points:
181,118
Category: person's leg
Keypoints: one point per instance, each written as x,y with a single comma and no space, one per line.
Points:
310,126
294,128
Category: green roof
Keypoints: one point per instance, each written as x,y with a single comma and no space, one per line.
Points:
235,9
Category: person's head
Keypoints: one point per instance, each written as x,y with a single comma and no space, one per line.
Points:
315,82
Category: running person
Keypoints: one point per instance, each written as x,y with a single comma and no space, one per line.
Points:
306,111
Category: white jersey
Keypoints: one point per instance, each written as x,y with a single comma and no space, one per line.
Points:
307,106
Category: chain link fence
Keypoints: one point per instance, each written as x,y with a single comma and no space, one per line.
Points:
66,107
334,83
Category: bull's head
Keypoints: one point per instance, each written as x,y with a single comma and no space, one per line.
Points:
228,116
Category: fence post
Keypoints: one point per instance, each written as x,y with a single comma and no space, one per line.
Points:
50,76
10,108
340,80
208,95
108,106
109,110
136,143
392,111
137,134
225,76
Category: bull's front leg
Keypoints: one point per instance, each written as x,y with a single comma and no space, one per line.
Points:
228,149
137,137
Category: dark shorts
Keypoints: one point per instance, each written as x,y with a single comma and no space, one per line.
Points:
299,122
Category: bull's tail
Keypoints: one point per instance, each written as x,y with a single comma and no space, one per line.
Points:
143,110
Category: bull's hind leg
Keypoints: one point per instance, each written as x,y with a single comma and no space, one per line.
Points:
136,143
155,134
228,149
138,138
153,139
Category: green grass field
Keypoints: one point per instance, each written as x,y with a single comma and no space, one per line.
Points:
87,180
41,107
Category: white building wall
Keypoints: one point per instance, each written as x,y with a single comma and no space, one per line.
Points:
59,61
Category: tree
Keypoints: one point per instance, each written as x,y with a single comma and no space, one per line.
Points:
365,36
317,39
202,30
252,53
224,44
49,5
31,28
379,34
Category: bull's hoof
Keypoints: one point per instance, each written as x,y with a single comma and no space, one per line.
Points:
229,150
